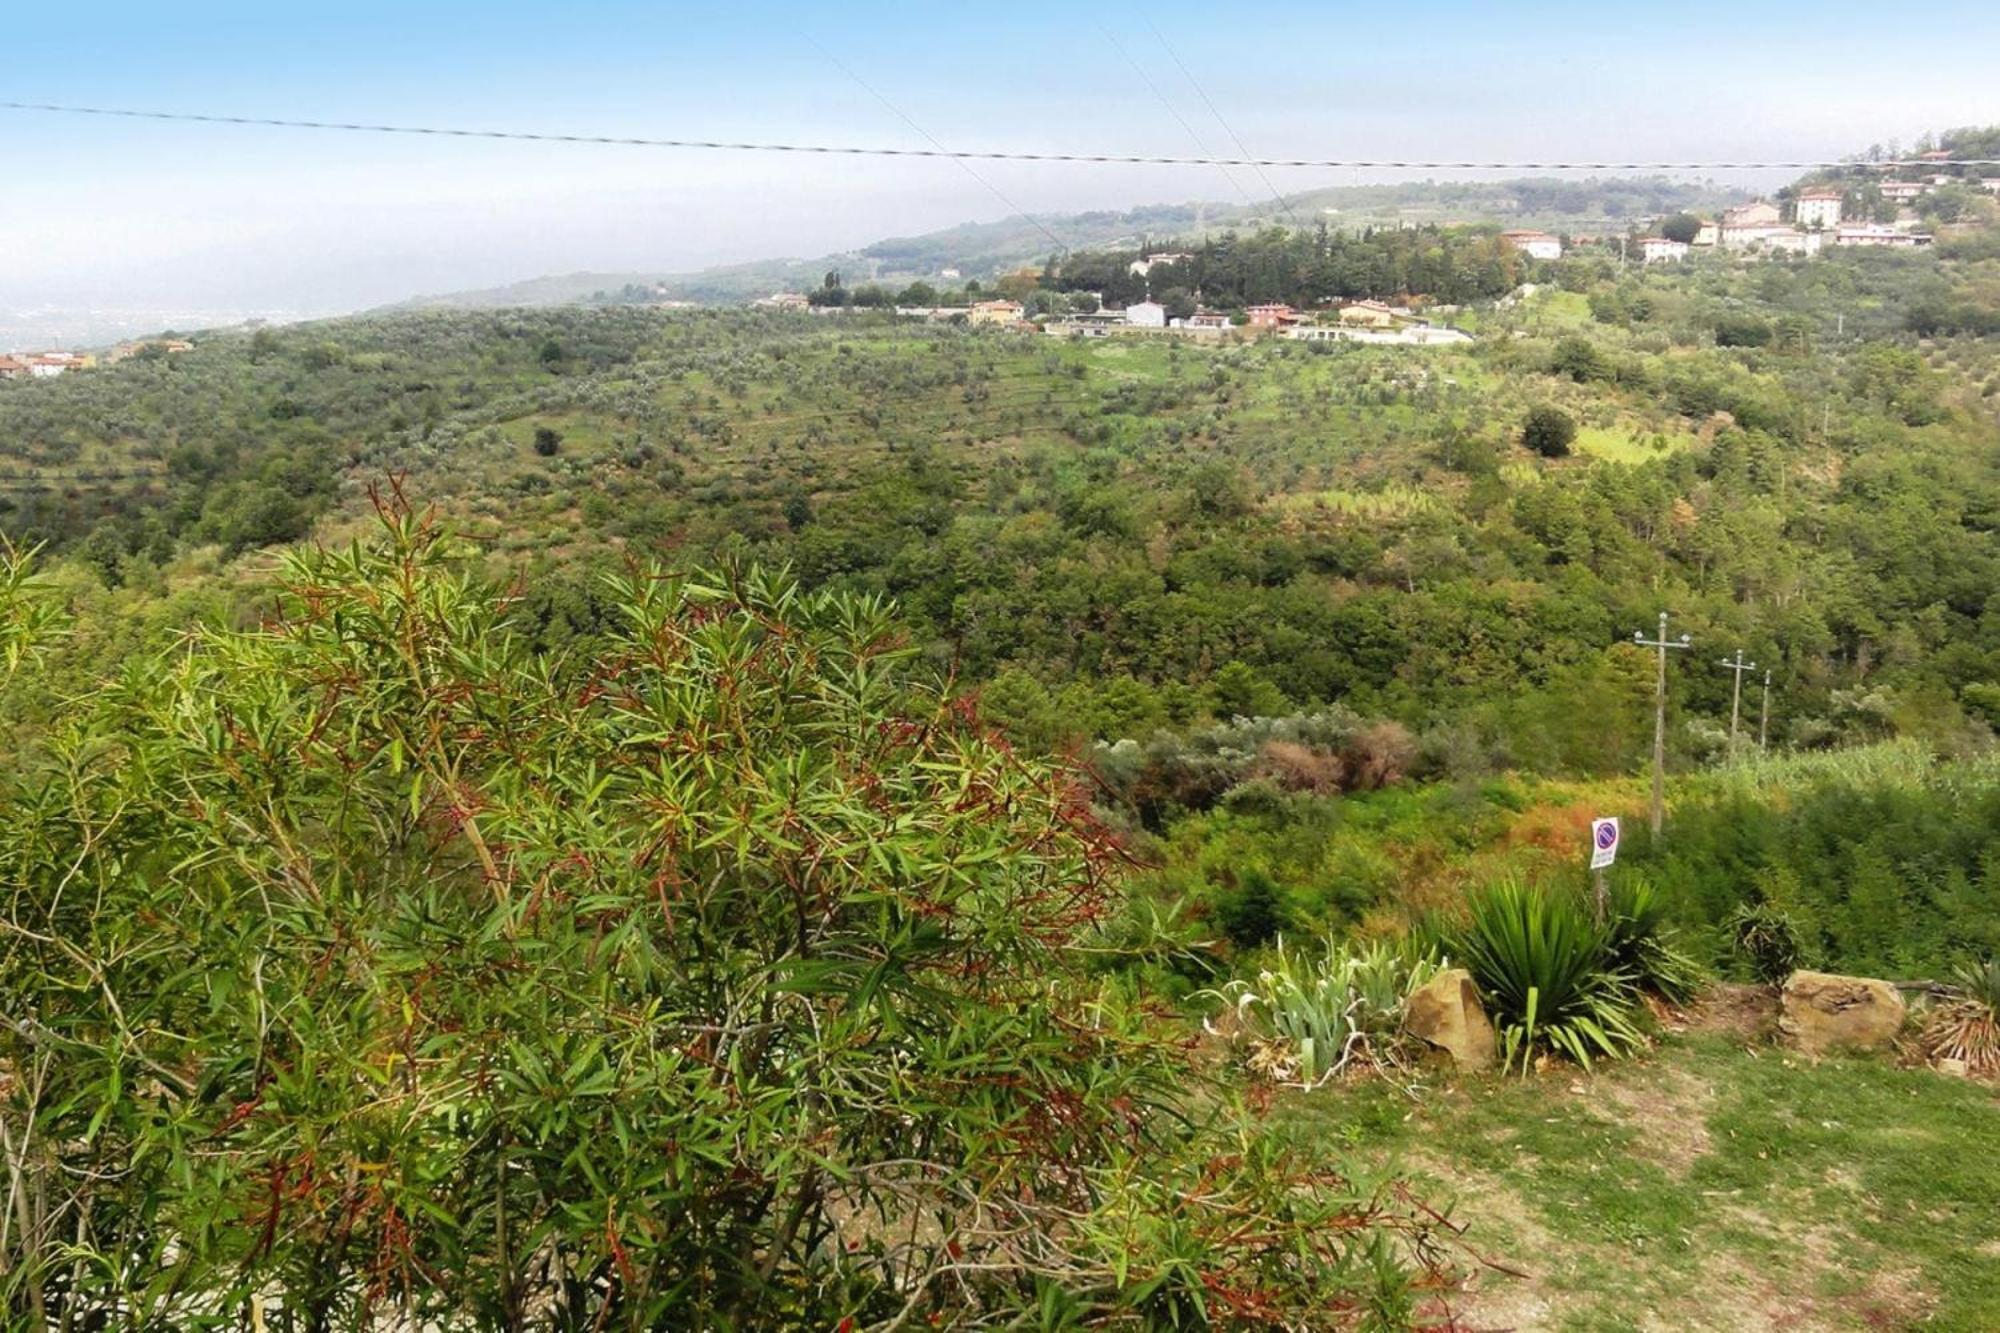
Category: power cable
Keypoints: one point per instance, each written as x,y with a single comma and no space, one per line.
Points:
983,155
1227,128
1172,110
966,166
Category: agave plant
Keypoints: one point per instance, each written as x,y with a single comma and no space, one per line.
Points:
1317,1013
1546,970
1640,945
1968,1028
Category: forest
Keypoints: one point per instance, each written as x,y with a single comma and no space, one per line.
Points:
841,760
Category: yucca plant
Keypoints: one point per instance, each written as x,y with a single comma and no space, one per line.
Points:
1768,939
1545,969
1320,1012
1640,944
1967,1028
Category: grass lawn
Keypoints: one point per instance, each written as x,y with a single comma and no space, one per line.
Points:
1719,1183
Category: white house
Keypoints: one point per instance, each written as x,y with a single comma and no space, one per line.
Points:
1904,192
1139,268
1793,242
1101,324
1661,250
1205,319
1146,315
1885,236
1819,208
1534,244
782,301
1709,234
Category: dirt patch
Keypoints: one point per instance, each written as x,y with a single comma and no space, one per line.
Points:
1747,1013
1667,1108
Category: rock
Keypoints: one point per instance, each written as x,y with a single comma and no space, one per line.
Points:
1955,1068
1446,1012
1820,1012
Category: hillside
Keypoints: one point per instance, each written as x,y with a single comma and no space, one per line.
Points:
984,249
814,818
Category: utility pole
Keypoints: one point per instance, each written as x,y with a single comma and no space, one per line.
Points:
1739,666
1662,644
1764,717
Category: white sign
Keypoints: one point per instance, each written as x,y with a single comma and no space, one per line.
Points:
1603,842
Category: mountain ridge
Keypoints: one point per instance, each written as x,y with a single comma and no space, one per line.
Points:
983,249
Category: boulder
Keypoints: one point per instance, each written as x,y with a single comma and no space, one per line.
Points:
1820,1012
1446,1012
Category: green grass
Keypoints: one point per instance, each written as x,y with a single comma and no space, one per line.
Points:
1624,444
1710,1185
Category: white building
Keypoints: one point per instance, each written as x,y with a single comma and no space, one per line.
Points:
1205,319
1534,244
1793,242
1146,315
1139,268
782,301
1905,192
1661,250
1884,236
1819,208
1101,324
1709,234
1415,335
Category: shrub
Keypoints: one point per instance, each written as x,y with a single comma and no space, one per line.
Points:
364,963
1768,940
1549,431
547,441
1545,968
1967,1028
1638,944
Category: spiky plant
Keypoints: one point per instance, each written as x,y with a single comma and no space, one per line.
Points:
1313,1014
1545,969
1640,944
1768,939
1967,1028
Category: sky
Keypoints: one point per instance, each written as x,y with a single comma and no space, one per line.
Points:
204,218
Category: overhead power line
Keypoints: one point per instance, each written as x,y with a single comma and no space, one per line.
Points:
979,154
964,165
1215,111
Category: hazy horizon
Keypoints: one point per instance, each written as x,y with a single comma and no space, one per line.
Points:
136,215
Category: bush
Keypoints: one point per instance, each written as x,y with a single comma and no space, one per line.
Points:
364,964
1549,431
547,441
1638,944
1768,940
1547,973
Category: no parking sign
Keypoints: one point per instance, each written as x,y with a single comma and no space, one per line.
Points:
1603,842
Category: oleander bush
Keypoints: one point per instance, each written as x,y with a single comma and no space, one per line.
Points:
363,965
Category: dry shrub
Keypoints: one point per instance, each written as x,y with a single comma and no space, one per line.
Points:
1297,767
1379,754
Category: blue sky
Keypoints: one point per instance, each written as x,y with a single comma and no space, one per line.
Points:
111,210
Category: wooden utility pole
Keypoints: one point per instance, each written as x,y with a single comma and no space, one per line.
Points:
1662,644
1739,666
1764,717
